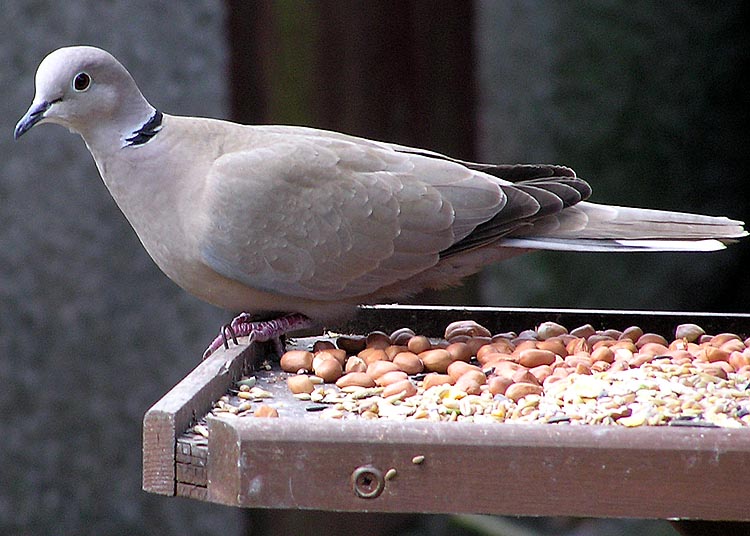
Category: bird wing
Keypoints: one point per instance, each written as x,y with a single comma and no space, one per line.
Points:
329,219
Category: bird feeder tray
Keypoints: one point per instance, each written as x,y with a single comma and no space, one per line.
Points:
300,460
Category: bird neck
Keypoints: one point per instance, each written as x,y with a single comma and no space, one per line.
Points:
146,131
134,124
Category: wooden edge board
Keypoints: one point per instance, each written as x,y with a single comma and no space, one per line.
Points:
506,469
183,405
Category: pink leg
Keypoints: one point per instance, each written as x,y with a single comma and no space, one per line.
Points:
262,331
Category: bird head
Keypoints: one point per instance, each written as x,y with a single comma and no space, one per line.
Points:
83,88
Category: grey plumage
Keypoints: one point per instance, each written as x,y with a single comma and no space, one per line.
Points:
294,219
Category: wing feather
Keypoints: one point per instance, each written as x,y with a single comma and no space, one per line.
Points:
329,219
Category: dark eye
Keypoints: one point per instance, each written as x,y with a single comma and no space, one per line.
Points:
81,82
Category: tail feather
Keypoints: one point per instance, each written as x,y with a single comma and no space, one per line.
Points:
607,221
593,227
622,246
546,208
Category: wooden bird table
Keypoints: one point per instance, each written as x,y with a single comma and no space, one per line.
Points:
300,461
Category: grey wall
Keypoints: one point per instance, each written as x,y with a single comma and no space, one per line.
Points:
91,333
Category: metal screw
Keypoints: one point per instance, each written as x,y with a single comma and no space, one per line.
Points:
368,482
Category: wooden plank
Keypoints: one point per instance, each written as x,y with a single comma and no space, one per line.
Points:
225,477
188,401
507,469
189,473
191,492
192,450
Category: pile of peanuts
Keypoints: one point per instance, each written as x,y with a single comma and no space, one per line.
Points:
547,374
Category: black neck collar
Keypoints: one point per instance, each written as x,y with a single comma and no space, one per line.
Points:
149,129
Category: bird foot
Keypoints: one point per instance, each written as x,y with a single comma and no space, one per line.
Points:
261,331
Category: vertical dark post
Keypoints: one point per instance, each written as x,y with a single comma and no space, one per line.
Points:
249,42
399,71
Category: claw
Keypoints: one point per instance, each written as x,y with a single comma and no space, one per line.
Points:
228,328
262,331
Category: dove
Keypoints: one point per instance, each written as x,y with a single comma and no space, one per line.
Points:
293,225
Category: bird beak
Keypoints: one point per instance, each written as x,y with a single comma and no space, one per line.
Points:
32,117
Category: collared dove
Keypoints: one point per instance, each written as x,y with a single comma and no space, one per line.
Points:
284,220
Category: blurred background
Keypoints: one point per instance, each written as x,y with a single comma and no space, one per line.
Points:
646,100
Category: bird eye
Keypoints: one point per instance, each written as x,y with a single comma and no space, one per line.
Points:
81,82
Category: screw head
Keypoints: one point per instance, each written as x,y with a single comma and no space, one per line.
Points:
368,482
